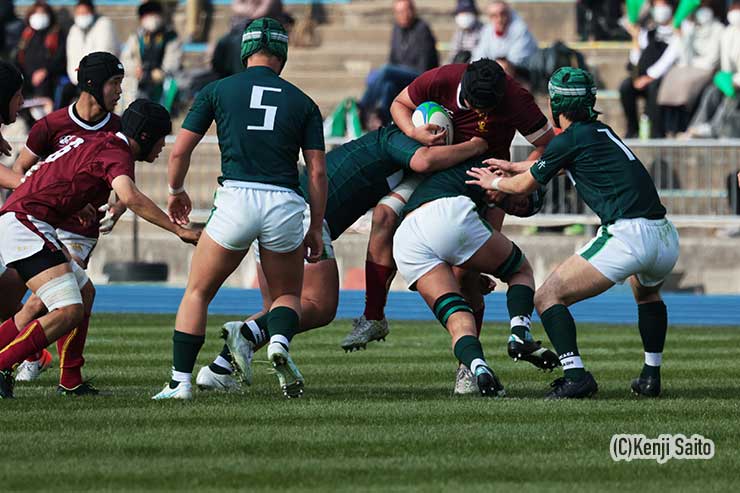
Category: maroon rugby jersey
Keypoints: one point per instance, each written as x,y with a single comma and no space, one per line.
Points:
53,132
78,174
518,111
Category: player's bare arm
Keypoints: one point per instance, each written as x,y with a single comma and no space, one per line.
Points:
431,159
142,206
25,160
317,185
178,202
487,179
402,109
540,143
9,179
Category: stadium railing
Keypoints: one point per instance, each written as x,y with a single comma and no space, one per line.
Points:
696,180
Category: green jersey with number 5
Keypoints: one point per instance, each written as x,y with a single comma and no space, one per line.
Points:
262,122
607,175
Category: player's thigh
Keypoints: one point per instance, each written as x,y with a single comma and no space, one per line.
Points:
283,271
572,281
321,283
12,288
211,265
470,285
645,294
437,282
264,287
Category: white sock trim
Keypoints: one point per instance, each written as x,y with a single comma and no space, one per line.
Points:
653,359
281,339
223,363
476,363
182,377
256,332
521,321
571,362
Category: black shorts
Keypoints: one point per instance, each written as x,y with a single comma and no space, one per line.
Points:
37,263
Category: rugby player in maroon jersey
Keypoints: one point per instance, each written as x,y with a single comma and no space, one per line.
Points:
482,101
83,172
100,75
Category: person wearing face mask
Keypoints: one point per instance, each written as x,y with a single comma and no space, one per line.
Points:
697,45
467,34
649,61
152,54
41,55
89,33
716,112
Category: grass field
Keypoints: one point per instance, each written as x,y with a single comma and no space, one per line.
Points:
381,419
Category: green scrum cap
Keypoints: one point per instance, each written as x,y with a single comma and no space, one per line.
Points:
572,89
266,34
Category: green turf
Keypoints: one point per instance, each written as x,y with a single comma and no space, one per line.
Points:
381,419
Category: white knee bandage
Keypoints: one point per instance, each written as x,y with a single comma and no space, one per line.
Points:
60,292
80,274
394,203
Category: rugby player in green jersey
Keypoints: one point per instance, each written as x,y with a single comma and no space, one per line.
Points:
360,174
442,229
262,123
635,240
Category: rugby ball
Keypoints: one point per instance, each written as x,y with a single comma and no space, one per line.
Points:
431,112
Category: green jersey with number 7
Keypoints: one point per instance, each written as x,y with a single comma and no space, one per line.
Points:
607,175
262,121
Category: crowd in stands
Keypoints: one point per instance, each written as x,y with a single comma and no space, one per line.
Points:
686,72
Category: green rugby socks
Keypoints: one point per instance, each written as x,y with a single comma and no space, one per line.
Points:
653,324
185,349
282,324
520,303
561,329
469,352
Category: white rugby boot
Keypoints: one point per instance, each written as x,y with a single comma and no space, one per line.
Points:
183,391
208,379
291,380
29,371
364,331
242,349
465,382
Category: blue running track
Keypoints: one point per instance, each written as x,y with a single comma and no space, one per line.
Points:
683,309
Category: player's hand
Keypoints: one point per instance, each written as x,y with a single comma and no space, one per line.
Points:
4,146
481,145
642,82
500,164
486,284
179,208
189,235
314,243
483,177
87,215
738,179
429,135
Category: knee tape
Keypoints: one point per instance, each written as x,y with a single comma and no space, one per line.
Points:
80,274
60,292
393,203
450,303
511,265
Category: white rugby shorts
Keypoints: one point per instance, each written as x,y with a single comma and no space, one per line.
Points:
647,248
328,252
446,230
247,211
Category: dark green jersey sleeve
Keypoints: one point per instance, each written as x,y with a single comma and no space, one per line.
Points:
400,147
313,134
202,112
558,155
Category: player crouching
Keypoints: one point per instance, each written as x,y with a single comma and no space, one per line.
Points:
635,239
84,171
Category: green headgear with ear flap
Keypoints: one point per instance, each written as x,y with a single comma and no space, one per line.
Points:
572,89
266,34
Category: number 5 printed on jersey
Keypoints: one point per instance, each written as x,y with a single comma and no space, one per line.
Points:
255,103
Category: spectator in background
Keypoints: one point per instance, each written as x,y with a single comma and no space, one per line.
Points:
716,112
649,61
90,32
41,55
248,10
506,39
153,54
413,51
697,45
467,34
599,20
